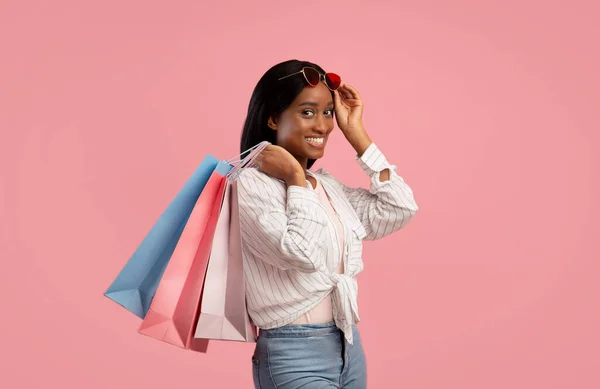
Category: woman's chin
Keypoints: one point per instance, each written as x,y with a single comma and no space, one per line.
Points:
316,154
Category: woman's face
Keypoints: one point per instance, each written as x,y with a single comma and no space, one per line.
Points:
303,128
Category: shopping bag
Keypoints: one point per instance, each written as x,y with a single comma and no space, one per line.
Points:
174,309
223,311
136,284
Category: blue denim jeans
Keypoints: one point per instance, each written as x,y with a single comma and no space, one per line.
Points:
308,356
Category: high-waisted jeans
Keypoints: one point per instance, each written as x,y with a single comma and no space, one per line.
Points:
308,356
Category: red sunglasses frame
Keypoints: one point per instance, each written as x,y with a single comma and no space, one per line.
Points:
326,78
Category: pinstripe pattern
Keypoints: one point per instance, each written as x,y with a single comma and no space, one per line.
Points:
289,240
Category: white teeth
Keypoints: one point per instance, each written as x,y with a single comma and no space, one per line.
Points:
318,141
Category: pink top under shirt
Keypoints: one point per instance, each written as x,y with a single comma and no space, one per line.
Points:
323,312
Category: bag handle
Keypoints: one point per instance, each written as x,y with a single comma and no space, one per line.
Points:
248,161
237,159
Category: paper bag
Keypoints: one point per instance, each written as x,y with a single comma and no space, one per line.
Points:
223,312
173,314
136,284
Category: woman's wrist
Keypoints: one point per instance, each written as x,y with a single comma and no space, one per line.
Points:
297,179
360,141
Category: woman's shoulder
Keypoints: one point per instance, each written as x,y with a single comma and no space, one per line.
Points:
326,175
253,177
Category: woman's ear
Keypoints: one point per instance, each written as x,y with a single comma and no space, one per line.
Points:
272,123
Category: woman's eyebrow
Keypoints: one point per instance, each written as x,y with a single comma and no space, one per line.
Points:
313,104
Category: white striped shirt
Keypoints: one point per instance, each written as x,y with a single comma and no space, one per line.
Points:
289,242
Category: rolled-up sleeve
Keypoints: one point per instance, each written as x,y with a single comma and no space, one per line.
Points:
387,206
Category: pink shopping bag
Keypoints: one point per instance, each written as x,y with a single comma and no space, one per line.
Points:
173,313
223,312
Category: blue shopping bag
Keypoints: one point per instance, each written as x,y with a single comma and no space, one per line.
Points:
135,286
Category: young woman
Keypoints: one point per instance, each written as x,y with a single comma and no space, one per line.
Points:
302,230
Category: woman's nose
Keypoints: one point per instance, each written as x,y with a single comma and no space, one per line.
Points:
321,125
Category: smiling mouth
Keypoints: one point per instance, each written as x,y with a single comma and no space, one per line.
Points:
315,141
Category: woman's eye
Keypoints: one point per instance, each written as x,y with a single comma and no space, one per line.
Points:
309,112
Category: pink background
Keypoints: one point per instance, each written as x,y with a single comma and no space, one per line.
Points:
490,109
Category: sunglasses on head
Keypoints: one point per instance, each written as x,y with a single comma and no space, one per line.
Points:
312,76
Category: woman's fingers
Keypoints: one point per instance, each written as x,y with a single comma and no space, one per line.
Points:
350,95
353,92
344,92
258,159
341,98
336,98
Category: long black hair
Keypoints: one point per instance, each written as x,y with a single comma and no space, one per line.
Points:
271,97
